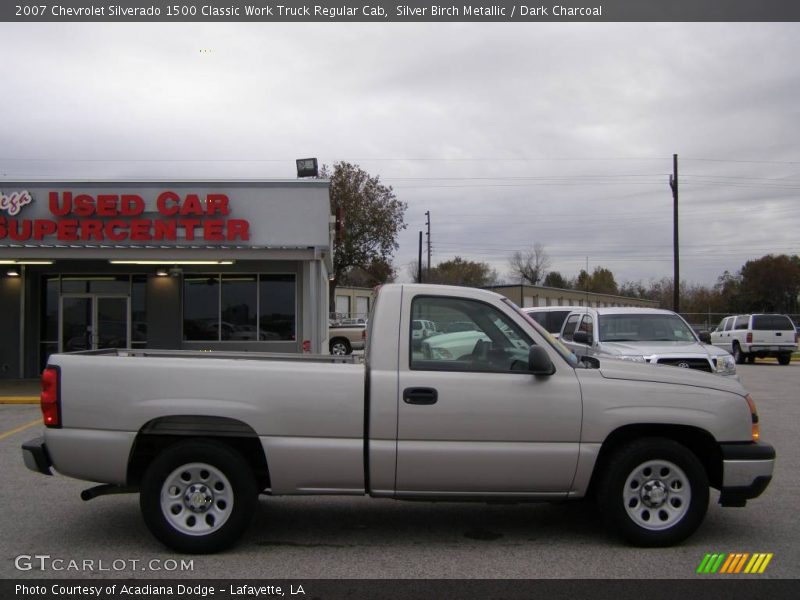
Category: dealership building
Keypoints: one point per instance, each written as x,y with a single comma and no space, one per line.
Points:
202,265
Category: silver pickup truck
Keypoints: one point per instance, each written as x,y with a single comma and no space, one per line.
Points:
647,335
517,418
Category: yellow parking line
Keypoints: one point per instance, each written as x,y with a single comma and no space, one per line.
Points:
20,428
19,399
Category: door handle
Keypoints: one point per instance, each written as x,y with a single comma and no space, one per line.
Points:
420,396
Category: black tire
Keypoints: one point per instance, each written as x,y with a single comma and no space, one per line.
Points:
738,355
228,500
784,359
751,359
340,347
659,509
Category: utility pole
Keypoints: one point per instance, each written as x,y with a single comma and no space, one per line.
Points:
428,223
419,261
676,278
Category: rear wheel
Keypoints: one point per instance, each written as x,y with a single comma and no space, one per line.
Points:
198,496
653,492
340,347
784,359
738,355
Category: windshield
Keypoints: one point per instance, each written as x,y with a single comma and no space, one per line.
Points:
644,328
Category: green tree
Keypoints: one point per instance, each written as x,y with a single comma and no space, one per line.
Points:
372,218
602,281
556,280
770,283
458,271
728,286
377,272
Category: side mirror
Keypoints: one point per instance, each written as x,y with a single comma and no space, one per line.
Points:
705,337
539,362
581,337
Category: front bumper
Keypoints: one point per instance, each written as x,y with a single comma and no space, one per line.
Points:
746,471
35,456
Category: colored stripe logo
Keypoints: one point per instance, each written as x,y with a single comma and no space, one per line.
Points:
734,563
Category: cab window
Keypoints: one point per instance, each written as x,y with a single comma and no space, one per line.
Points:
586,327
493,342
569,327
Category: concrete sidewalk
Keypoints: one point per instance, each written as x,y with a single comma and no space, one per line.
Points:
19,391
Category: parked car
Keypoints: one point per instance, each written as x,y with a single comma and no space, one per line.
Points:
550,317
647,335
455,326
201,435
422,329
343,339
453,346
753,336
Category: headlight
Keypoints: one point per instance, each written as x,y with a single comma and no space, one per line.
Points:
441,354
632,357
726,365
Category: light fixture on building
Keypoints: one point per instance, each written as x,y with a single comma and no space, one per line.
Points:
26,262
174,262
12,273
307,167
162,273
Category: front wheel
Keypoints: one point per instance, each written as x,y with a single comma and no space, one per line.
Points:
198,496
653,492
784,359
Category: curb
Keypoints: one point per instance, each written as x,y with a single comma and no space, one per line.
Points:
19,400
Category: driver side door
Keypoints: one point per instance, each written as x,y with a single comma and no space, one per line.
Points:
471,420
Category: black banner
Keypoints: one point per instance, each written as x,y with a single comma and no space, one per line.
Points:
383,11
733,588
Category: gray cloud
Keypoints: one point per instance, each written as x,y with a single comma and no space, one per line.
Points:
509,133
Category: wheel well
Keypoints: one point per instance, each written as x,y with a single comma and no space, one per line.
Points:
157,435
701,443
340,339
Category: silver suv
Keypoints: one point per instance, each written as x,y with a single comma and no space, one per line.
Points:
748,337
646,335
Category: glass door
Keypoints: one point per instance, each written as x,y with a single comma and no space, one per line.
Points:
77,322
93,322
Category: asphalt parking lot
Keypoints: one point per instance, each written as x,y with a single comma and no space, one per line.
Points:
368,538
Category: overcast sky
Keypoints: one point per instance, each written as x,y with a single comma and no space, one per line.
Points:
509,134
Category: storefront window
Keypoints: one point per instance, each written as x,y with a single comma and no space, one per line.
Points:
277,306
239,308
201,320
50,308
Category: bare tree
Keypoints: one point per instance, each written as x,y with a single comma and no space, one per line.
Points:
530,266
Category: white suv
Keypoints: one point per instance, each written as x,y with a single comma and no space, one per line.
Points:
757,335
550,317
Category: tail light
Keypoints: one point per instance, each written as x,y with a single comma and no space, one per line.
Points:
749,337
364,334
50,399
